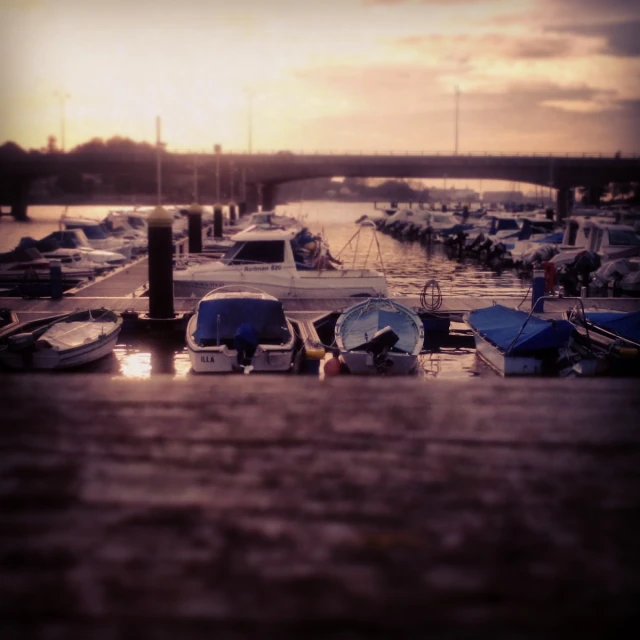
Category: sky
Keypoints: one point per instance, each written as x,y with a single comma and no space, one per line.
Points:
331,75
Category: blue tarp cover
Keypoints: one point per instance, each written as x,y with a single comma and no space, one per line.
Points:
626,325
266,317
500,325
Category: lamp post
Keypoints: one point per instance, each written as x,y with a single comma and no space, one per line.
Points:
217,149
250,95
457,101
62,97
159,159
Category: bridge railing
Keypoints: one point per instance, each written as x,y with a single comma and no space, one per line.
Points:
433,153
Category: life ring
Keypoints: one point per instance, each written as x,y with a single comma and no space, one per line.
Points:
550,276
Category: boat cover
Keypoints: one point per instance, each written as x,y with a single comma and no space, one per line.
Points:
266,317
359,325
500,325
626,325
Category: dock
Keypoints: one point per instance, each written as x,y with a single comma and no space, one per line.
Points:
124,291
273,508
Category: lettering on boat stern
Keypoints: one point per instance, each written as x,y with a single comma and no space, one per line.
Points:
206,359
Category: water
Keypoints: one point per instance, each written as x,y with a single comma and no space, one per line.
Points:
407,265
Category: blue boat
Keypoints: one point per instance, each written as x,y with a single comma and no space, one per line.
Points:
514,342
612,340
617,324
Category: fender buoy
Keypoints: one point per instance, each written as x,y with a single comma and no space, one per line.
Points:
550,276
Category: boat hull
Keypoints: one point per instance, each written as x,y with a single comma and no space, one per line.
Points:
52,358
361,363
223,360
305,286
506,365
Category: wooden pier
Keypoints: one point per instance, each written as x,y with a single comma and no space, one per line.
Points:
263,507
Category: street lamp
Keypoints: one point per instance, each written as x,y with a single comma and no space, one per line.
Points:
457,94
62,96
250,94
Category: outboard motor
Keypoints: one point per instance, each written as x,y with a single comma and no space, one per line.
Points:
245,342
379,346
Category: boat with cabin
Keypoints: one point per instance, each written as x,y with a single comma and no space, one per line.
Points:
240,331
76,239
610,241
98,235
283,262
380,336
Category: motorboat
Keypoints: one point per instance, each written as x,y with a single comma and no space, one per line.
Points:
285,263
611,338
240,331
516,343
77,240
621,274
609,241
134,229
136,219
379,336
98,235
63,342
29,267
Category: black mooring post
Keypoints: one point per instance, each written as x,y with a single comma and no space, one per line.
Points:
232,213
195,228
217,221
160,224
242,209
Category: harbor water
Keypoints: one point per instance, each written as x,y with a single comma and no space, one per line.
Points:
407,266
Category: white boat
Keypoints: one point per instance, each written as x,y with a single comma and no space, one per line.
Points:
76,239
516,343
240,331
98,235
380,336
68,341
265,259
28,266
609,241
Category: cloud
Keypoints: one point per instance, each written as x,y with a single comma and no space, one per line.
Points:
461,46
622,39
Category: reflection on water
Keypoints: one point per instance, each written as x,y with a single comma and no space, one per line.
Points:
407,266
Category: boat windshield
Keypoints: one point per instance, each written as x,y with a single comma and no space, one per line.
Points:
256,251
92,231
136,223
81,239
618,237
507,225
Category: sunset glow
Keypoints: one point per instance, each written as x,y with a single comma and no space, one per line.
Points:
534,75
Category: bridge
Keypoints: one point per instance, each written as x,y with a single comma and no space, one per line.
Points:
255,177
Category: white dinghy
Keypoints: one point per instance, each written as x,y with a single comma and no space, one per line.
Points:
68,341
380,336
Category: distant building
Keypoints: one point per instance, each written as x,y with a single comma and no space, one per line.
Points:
503,196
